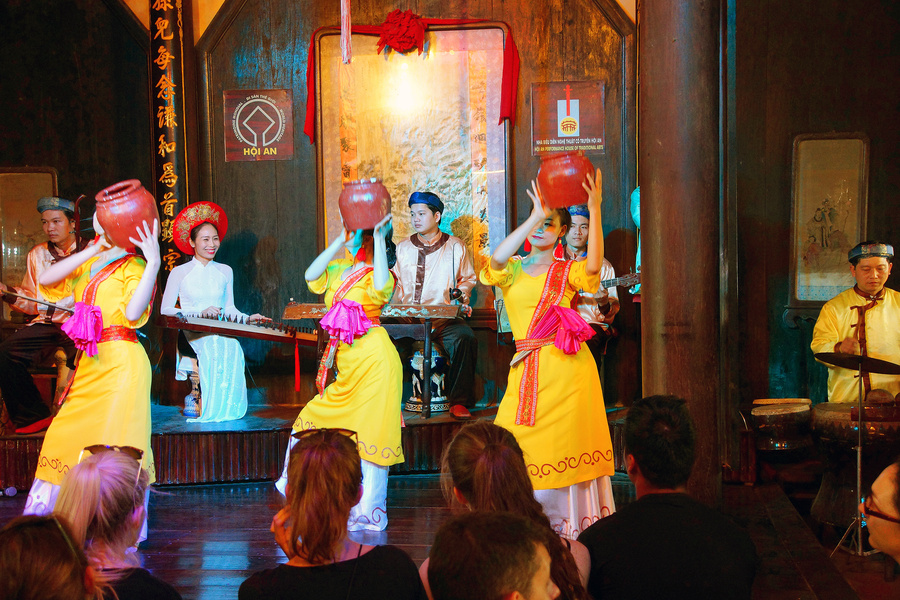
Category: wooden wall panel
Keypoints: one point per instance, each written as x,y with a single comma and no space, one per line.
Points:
272,206
74,92
804,68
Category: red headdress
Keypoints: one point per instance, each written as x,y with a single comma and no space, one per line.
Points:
193,215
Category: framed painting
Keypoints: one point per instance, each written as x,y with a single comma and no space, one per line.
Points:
830,195
419,122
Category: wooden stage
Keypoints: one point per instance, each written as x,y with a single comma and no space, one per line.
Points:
253,448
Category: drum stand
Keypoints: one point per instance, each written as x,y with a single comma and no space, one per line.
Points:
856,541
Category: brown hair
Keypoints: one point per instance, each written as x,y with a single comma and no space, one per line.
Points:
324,476
485,463
39,560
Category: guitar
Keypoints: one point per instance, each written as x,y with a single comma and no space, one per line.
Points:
627,280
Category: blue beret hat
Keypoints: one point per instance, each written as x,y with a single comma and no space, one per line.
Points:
54,203
869,250
428,198
580,210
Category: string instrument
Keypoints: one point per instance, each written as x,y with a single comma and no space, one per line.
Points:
294,311
269,331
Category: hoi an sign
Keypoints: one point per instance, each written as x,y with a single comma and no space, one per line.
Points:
259,125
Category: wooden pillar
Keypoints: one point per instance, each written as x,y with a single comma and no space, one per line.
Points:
678,166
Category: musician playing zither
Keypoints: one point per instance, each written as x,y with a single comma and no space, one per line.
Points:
434,267
205,288
864,321
597,308
34,344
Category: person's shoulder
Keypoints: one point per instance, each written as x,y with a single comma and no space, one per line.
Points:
405,242
403,576
389,553
140,583
452,239
40,248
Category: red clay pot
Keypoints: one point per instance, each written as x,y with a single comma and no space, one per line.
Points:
364,203
122,207
560,178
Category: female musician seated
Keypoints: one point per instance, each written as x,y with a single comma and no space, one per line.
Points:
205,288
324,476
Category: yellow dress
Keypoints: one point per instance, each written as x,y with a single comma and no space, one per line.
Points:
366,394
109,401
569,442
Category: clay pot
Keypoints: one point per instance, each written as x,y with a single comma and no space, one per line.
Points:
560,178
364,203
122,207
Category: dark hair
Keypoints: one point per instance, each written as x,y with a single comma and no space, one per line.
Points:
195,231
484,555
565,219
659,434
855,260
324,475
389,246
485,463
39,560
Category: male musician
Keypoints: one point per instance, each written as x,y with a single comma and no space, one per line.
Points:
434,267
599,308
36,342
862,320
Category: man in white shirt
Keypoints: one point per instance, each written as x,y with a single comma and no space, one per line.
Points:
35,343
434,267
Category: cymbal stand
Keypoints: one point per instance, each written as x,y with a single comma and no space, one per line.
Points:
856,542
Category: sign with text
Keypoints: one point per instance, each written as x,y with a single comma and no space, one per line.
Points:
259,125
567,115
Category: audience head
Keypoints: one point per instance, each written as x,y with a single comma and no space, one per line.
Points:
40,561
486,467
659,438
490,555
483,469
324,483
102,497
882,510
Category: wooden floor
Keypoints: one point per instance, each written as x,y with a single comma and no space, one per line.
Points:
206,539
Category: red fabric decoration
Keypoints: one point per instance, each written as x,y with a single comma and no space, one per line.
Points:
402,31
508,87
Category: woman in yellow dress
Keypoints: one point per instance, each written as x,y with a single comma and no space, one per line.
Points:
365,396
108,402
553,402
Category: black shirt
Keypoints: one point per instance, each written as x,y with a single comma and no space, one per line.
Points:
383,572
669,546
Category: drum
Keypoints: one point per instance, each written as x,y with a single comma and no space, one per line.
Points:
439,365
781,426
835,432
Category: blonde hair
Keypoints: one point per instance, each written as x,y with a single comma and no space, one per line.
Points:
99,497
324,476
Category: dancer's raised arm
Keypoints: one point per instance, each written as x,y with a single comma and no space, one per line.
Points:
514,241
594,189
148,242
